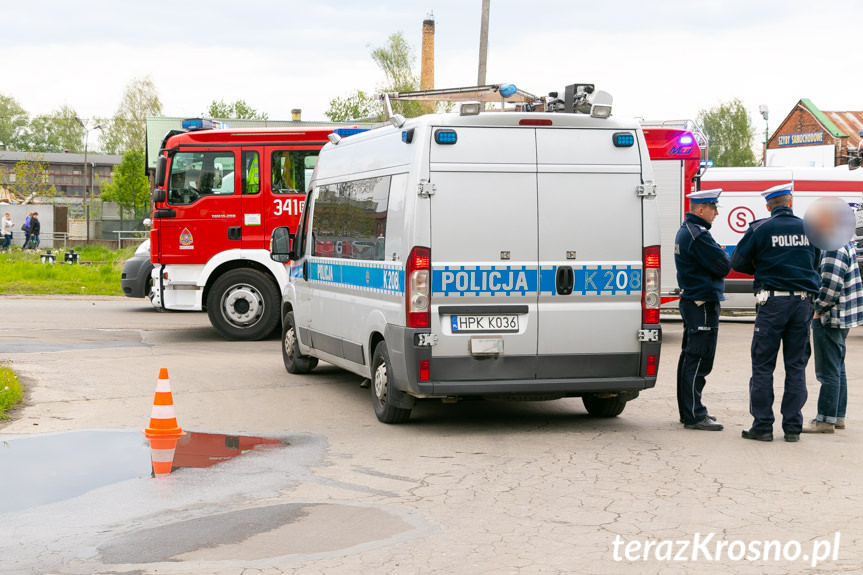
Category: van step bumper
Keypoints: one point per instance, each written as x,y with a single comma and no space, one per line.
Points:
566,387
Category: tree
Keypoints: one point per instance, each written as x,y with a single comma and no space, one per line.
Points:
396,60
129,187
236,110
127,129
730,133
29,180
13,123
355,106
55,132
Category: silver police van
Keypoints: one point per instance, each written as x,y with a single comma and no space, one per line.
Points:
510,255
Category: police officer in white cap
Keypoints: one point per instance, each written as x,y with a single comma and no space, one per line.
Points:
702,265
778,253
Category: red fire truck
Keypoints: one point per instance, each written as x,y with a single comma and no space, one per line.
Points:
219,194
675,155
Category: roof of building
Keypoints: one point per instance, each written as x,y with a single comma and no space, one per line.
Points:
840,124
56,158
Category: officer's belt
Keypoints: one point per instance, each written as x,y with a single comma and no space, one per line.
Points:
786,293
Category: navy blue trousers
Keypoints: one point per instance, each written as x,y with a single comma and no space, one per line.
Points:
780,320
700,332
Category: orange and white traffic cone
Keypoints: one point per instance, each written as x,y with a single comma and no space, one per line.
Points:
163,431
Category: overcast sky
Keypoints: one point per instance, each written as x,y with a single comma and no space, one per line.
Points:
660,59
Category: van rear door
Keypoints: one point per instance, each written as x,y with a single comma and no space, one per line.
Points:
590,254
484,253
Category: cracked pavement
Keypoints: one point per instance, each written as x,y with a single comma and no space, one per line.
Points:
478,487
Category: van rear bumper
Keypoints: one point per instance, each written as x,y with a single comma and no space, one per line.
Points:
568,375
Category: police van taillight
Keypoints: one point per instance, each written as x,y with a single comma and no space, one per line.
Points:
418,288
650,289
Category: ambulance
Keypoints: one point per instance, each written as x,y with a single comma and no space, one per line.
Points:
741,203
475,253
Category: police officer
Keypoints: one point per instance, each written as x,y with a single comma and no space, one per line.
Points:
702,265
778,253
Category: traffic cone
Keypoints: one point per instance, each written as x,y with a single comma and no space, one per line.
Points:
163,431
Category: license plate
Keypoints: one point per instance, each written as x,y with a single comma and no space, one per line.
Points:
484,323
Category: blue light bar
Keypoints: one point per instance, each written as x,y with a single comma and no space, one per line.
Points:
445,137
197,124
345,132
623,139
685,140
507,90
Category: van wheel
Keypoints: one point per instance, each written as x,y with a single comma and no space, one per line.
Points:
604,406
383,388
295,362
243,305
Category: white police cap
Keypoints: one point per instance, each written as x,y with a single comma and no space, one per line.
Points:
779,190
704,196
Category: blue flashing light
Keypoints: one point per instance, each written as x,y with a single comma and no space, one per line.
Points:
623,139
685,140
408,136
709,163
447,137
507,90
198,124
345,132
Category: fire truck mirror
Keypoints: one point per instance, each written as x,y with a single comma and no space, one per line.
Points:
159,195
280,245
161,164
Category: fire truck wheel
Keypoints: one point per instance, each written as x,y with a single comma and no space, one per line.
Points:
604,406
384,392
295,362
243,304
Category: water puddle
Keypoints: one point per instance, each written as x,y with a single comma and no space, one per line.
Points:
45,468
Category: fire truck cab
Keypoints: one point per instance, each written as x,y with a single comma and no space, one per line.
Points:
219,194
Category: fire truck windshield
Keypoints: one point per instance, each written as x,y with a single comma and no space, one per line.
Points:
198,174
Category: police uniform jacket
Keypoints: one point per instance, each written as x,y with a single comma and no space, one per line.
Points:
777,251
701,263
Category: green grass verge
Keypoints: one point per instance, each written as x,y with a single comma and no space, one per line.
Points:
24,272
10,391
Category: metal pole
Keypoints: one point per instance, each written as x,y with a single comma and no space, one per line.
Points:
86,197
483,44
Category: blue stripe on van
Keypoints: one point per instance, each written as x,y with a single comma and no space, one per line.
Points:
522,280
369,276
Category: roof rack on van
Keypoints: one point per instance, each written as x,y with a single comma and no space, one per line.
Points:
578,98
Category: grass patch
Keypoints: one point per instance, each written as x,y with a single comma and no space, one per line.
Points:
10,390
24,273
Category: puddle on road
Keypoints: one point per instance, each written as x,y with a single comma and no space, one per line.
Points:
45,468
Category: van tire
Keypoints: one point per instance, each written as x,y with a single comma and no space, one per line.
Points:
383,390
243,305
295,362
604,406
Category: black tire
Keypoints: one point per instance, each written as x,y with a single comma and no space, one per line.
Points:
383,390
295,362
243,305
604,406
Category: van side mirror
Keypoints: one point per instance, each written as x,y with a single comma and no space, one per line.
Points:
281,243
159,195
161,164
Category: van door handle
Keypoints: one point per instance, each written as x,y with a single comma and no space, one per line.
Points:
564,280
234,233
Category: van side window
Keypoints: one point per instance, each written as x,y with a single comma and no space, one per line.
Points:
292,170
351,219
198,174
251,173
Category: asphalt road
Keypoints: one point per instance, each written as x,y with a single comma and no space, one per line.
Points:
478,487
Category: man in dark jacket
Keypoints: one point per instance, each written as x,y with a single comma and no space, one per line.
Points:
778,253
35,228
702,265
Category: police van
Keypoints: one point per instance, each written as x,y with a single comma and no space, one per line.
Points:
510,255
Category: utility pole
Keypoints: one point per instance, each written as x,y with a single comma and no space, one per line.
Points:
483,44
